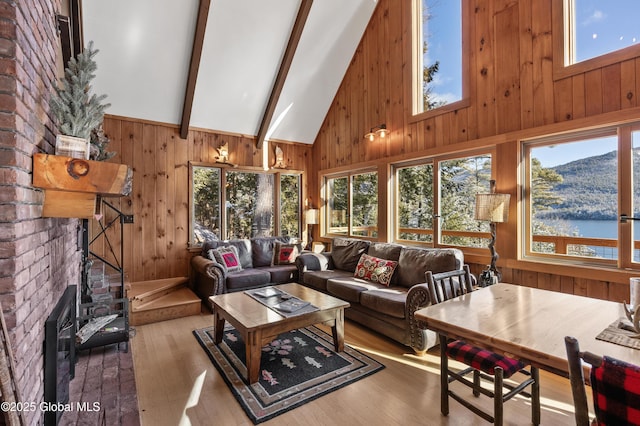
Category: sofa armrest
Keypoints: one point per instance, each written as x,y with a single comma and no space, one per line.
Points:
208,277
308,261
420,338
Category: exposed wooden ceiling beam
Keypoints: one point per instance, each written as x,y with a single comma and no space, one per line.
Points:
194,65
294,38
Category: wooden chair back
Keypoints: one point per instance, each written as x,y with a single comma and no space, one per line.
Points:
446,285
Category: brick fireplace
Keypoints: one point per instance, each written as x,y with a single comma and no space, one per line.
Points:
39,257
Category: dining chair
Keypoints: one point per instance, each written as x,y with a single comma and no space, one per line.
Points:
483,364
615,386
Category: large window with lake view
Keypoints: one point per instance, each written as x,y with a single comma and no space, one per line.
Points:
576,189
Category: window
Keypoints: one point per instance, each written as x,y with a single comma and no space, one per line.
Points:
438,59
352,205
576,188
460,180
420,197
595,27
249,200
290,205
414,206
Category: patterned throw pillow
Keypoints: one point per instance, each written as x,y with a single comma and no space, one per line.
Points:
285,254
375,270
228,257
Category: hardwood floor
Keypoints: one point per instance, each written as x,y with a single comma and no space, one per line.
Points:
178,385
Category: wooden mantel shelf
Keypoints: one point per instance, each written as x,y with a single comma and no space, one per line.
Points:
72,185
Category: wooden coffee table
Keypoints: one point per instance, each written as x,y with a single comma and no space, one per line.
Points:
259,324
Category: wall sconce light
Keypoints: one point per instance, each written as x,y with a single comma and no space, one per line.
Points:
380,130
223,155
493,208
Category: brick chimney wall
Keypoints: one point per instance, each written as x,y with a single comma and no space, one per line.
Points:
39,256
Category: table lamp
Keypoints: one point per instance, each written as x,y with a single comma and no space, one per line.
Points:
493,208
311,218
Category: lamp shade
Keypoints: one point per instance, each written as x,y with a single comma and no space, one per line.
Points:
311,217
492,207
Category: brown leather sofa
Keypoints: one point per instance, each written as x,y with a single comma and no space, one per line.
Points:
388,310
208,277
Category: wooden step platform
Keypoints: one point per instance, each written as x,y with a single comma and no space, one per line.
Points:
161,300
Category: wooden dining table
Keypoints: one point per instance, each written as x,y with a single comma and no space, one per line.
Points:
528,323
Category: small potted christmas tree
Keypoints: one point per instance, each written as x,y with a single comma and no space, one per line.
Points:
77,111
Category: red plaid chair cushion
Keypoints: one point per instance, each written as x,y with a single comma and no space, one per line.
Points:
616,392
482,359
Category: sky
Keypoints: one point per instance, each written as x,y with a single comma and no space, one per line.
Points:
601,26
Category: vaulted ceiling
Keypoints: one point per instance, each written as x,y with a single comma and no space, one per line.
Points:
145,51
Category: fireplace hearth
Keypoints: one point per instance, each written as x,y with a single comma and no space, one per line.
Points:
59,353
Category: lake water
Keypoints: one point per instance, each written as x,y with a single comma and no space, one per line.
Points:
601,228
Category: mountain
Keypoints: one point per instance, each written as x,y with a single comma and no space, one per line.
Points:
590,188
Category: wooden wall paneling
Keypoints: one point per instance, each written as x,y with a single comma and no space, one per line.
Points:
597,289
429,133
611,87
578,97
580,286
593,92
526,64
542,62
549,282
148,212
628,84
567,284
170,225
397,65
180,184
485,72
137,162
637,90
529,279
126,203
507,68
563,100
439,130
618,292
161,206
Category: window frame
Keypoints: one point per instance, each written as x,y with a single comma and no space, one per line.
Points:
437,195
324,209
277,228
624,237
414,72
562,26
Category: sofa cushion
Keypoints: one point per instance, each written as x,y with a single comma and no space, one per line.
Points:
374,269
318,279
247,278
346,252
281,274
349,288
285,254
227,256
262,250
414,262
389,301
385,251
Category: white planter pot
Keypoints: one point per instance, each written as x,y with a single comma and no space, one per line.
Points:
71,146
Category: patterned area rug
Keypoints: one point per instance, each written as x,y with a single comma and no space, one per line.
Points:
297,367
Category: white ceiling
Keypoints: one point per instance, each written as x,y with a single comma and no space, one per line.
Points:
145,50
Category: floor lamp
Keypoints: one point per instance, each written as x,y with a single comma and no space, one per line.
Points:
493,208
311,218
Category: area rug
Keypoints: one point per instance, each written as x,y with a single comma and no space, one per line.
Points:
297,367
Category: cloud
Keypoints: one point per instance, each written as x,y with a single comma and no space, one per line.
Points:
596,16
